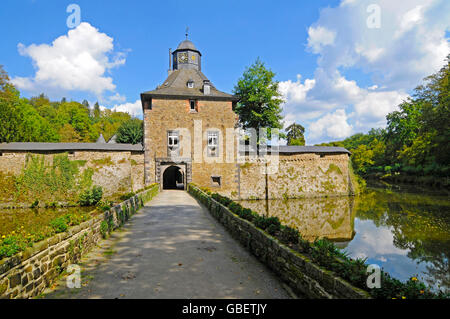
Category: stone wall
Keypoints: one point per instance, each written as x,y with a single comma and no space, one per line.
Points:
115,171
303,276
28,273
298,175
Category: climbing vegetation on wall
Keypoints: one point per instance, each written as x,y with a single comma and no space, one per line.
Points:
48,180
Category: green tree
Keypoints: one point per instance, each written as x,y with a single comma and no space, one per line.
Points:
96,110
77,116
9,116
260,100
130,132
295,134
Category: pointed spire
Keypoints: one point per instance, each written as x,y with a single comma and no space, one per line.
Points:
101,139
187,32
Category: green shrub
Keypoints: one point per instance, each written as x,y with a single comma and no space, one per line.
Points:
11,245
91,197
127,196
247,214
235,208
265,222
272,229
60,224
289,235
35,204
104,229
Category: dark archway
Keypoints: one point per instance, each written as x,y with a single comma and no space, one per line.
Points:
173,178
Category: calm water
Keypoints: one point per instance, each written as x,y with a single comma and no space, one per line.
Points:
405,232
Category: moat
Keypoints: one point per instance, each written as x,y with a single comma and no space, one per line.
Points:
403,230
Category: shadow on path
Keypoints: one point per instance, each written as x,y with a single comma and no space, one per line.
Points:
172,248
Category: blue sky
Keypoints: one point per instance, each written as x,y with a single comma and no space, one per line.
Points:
340,73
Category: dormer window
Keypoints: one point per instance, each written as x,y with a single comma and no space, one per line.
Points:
206,87
190,84
193,106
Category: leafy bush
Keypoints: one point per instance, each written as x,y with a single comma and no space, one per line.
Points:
289,235
130,132
60,224
91,197
127,196
104,229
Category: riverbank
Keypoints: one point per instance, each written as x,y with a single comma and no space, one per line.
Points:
431,182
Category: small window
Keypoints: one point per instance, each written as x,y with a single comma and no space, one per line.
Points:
190,84
173,143
216,181
173,139
193,105
213,144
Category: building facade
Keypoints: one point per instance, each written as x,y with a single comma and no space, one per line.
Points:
186,124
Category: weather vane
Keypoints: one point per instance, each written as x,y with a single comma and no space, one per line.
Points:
187,32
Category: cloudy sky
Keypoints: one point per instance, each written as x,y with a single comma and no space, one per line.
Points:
342,65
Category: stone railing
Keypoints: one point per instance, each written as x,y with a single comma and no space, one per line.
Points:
29,272
297,270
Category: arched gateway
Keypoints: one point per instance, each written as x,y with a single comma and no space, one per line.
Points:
173,178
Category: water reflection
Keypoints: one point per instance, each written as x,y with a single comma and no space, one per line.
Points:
325,217
408,234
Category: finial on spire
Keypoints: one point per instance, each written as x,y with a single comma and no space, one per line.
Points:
187,32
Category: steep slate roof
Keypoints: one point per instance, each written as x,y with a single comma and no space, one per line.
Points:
70,147
175,86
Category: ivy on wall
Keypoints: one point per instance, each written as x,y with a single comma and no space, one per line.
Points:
41,180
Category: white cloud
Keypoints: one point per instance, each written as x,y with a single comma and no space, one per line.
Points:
372,107
320,37
333,125
295,92
134,109
77,61
410,44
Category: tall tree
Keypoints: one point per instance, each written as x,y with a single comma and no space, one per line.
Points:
7,89
97,110
295,134
9,117
130,132
260,100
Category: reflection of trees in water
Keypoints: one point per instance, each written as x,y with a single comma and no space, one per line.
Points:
314,217
420,224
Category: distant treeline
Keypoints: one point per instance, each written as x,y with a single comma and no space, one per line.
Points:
40,120
416,141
